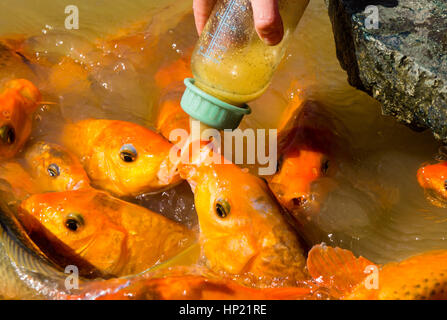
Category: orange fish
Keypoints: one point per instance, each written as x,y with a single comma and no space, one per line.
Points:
420,277
433,178
16,184
171,116
14,64
169,79
68,76
135,43
304,152
100,234
18,101
243,231
183,287
47,168
173,74
122,157
55,168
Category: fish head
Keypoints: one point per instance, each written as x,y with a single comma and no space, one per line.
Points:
122,157
138,158
433,178
18,100
27,92
55,168
236,214
74,227
292,184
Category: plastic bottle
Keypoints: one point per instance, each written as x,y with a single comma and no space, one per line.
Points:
231,64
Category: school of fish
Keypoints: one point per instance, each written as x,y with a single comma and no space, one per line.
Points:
72,202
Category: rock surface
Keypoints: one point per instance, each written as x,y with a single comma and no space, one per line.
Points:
402,63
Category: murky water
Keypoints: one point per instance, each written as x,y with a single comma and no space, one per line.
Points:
377,208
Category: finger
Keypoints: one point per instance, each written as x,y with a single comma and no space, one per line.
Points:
268,22
202,10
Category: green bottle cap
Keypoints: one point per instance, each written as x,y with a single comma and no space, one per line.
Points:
210,110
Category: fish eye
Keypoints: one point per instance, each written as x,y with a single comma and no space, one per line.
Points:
128,153
7,134
74,221
445,184
53,170
324,166
222,208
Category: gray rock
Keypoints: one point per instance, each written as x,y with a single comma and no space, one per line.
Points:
402,63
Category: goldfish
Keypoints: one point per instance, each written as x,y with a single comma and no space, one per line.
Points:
122,157
305,149
24,272
55,168
419,277
13,62
16,184
100,234
243,231
173,74
18,101
169,79
182,286
143,42
135,43
171,116
45,167
433,178
67,76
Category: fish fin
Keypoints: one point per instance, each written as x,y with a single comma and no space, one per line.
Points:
337,269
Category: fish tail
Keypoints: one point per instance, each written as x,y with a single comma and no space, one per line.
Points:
337,269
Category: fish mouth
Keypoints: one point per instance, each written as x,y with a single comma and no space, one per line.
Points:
7,134
304,205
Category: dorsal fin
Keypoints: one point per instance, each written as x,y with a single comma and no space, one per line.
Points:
337,269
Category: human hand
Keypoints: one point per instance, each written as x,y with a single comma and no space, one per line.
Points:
268,22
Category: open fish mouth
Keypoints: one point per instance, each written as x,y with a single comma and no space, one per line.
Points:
305,205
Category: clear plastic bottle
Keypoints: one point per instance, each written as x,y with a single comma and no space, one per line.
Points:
230,61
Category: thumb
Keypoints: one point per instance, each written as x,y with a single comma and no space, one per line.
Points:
202,10
268,22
